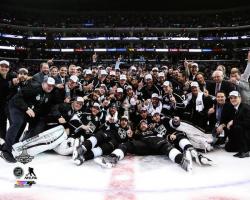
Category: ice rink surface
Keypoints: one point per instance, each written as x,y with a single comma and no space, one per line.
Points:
134,178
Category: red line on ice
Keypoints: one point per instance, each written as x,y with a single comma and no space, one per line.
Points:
122,181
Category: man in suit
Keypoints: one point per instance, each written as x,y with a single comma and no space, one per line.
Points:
43,74
219,84
241,82
239,126
219,115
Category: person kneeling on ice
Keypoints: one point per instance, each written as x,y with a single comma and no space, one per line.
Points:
103,142
147,142
166,127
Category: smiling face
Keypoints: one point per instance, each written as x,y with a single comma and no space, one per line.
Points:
4,69
235,101
77,105
47,87
143,126
220,98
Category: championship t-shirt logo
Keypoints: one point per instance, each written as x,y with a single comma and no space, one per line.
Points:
122,133
161,130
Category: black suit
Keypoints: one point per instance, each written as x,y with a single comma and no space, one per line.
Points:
227,114
59,80
239,133
225,87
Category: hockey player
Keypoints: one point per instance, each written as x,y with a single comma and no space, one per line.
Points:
172,103
166,128
103,142
147,142
91,122
66,115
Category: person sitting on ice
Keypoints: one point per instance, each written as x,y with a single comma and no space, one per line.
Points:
147,142
103,142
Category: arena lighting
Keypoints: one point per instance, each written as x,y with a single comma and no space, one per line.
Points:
207,50
183,50
7,47
53,50
20,48
36,38
111,50
149,49
173,50
161,50
230,38
183,38
195,50
150,38
73,38
100,50
131,38
12,36
67,50
79,50
140,49
245,37
210,38
121,49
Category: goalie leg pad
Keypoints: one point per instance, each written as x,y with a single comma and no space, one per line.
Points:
66,147
42,142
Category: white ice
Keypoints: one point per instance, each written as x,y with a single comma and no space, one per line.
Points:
148,178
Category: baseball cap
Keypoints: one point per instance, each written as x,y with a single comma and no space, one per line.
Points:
234,93
155,112
155,69
23,71
123,77
96,105
74,78
124,117
112,73
49,81
4,62
133,67
119,90
154,95
79,99
103,72
148,76
143,121
129,87
143,109
194,65
167,83
194,84
88,71
161,74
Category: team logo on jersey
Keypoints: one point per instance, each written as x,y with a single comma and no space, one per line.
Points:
38,97
161,130
88,117
92,127
122,133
